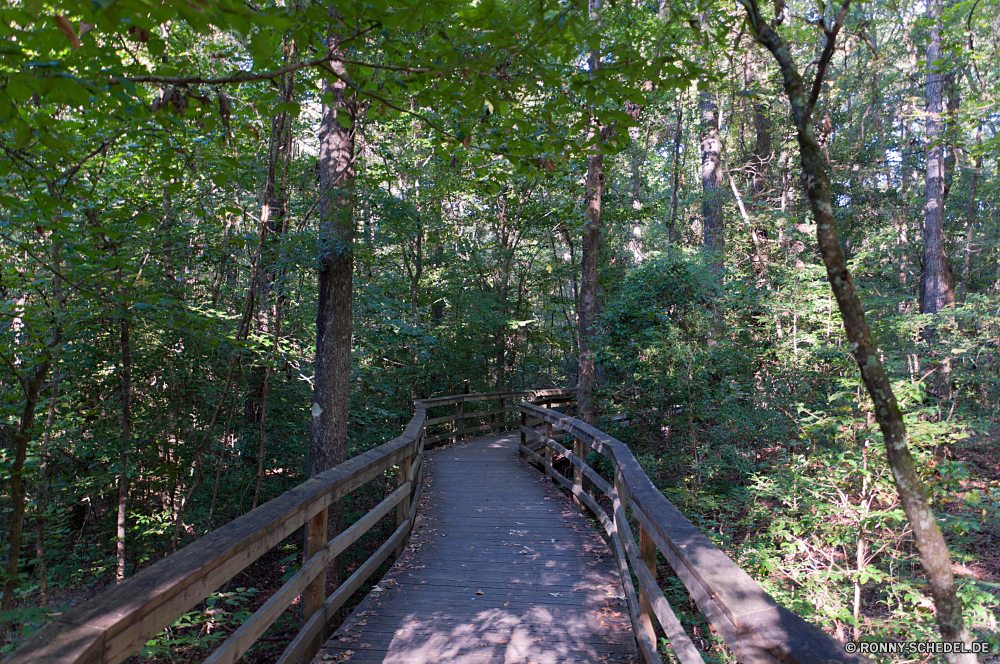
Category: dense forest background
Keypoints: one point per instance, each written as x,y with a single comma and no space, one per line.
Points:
165,228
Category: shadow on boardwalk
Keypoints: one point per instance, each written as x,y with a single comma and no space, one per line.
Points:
500,568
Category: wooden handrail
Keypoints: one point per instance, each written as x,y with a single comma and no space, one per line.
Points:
118,622
754,626
458,417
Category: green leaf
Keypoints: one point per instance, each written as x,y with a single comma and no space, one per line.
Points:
22,133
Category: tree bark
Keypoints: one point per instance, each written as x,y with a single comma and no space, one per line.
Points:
672,219
42,570
711,180
32,388
587,308
334,325
934,554
126,443
328,434
937,284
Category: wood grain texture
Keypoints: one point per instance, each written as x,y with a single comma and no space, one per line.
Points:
489,524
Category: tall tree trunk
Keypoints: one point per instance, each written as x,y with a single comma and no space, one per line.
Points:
816,181
711,180
42,570
587,309
937,284
672,219
331,395
126,443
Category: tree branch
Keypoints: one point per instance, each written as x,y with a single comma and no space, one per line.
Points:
824,60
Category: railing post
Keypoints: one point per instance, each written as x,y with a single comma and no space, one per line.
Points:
548,449
315,593
647,551
503,413
524,437
577,471
459,422
403,509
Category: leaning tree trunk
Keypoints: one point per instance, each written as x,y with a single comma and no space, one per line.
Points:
32,388
816,181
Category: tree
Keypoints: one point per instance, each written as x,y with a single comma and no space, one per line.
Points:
816,183
711,180
937,283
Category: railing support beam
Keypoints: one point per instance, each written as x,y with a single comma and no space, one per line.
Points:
577,471
315,593
647,551
403,510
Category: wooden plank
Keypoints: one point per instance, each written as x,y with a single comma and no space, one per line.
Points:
439,420
485,396
67,642
314,625
732,601
483,413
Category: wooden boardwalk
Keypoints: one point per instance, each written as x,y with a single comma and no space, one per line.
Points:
500,569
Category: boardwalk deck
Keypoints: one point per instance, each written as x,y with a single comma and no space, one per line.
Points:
500,569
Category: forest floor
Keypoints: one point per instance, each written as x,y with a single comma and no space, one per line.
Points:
981,454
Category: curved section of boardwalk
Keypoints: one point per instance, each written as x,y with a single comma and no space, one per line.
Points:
500,569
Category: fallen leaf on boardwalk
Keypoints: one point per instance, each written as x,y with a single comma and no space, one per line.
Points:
480,592
506,603
377,589
364,645
556,594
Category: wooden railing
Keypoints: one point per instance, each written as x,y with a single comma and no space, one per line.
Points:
119,621
755,627
498,418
